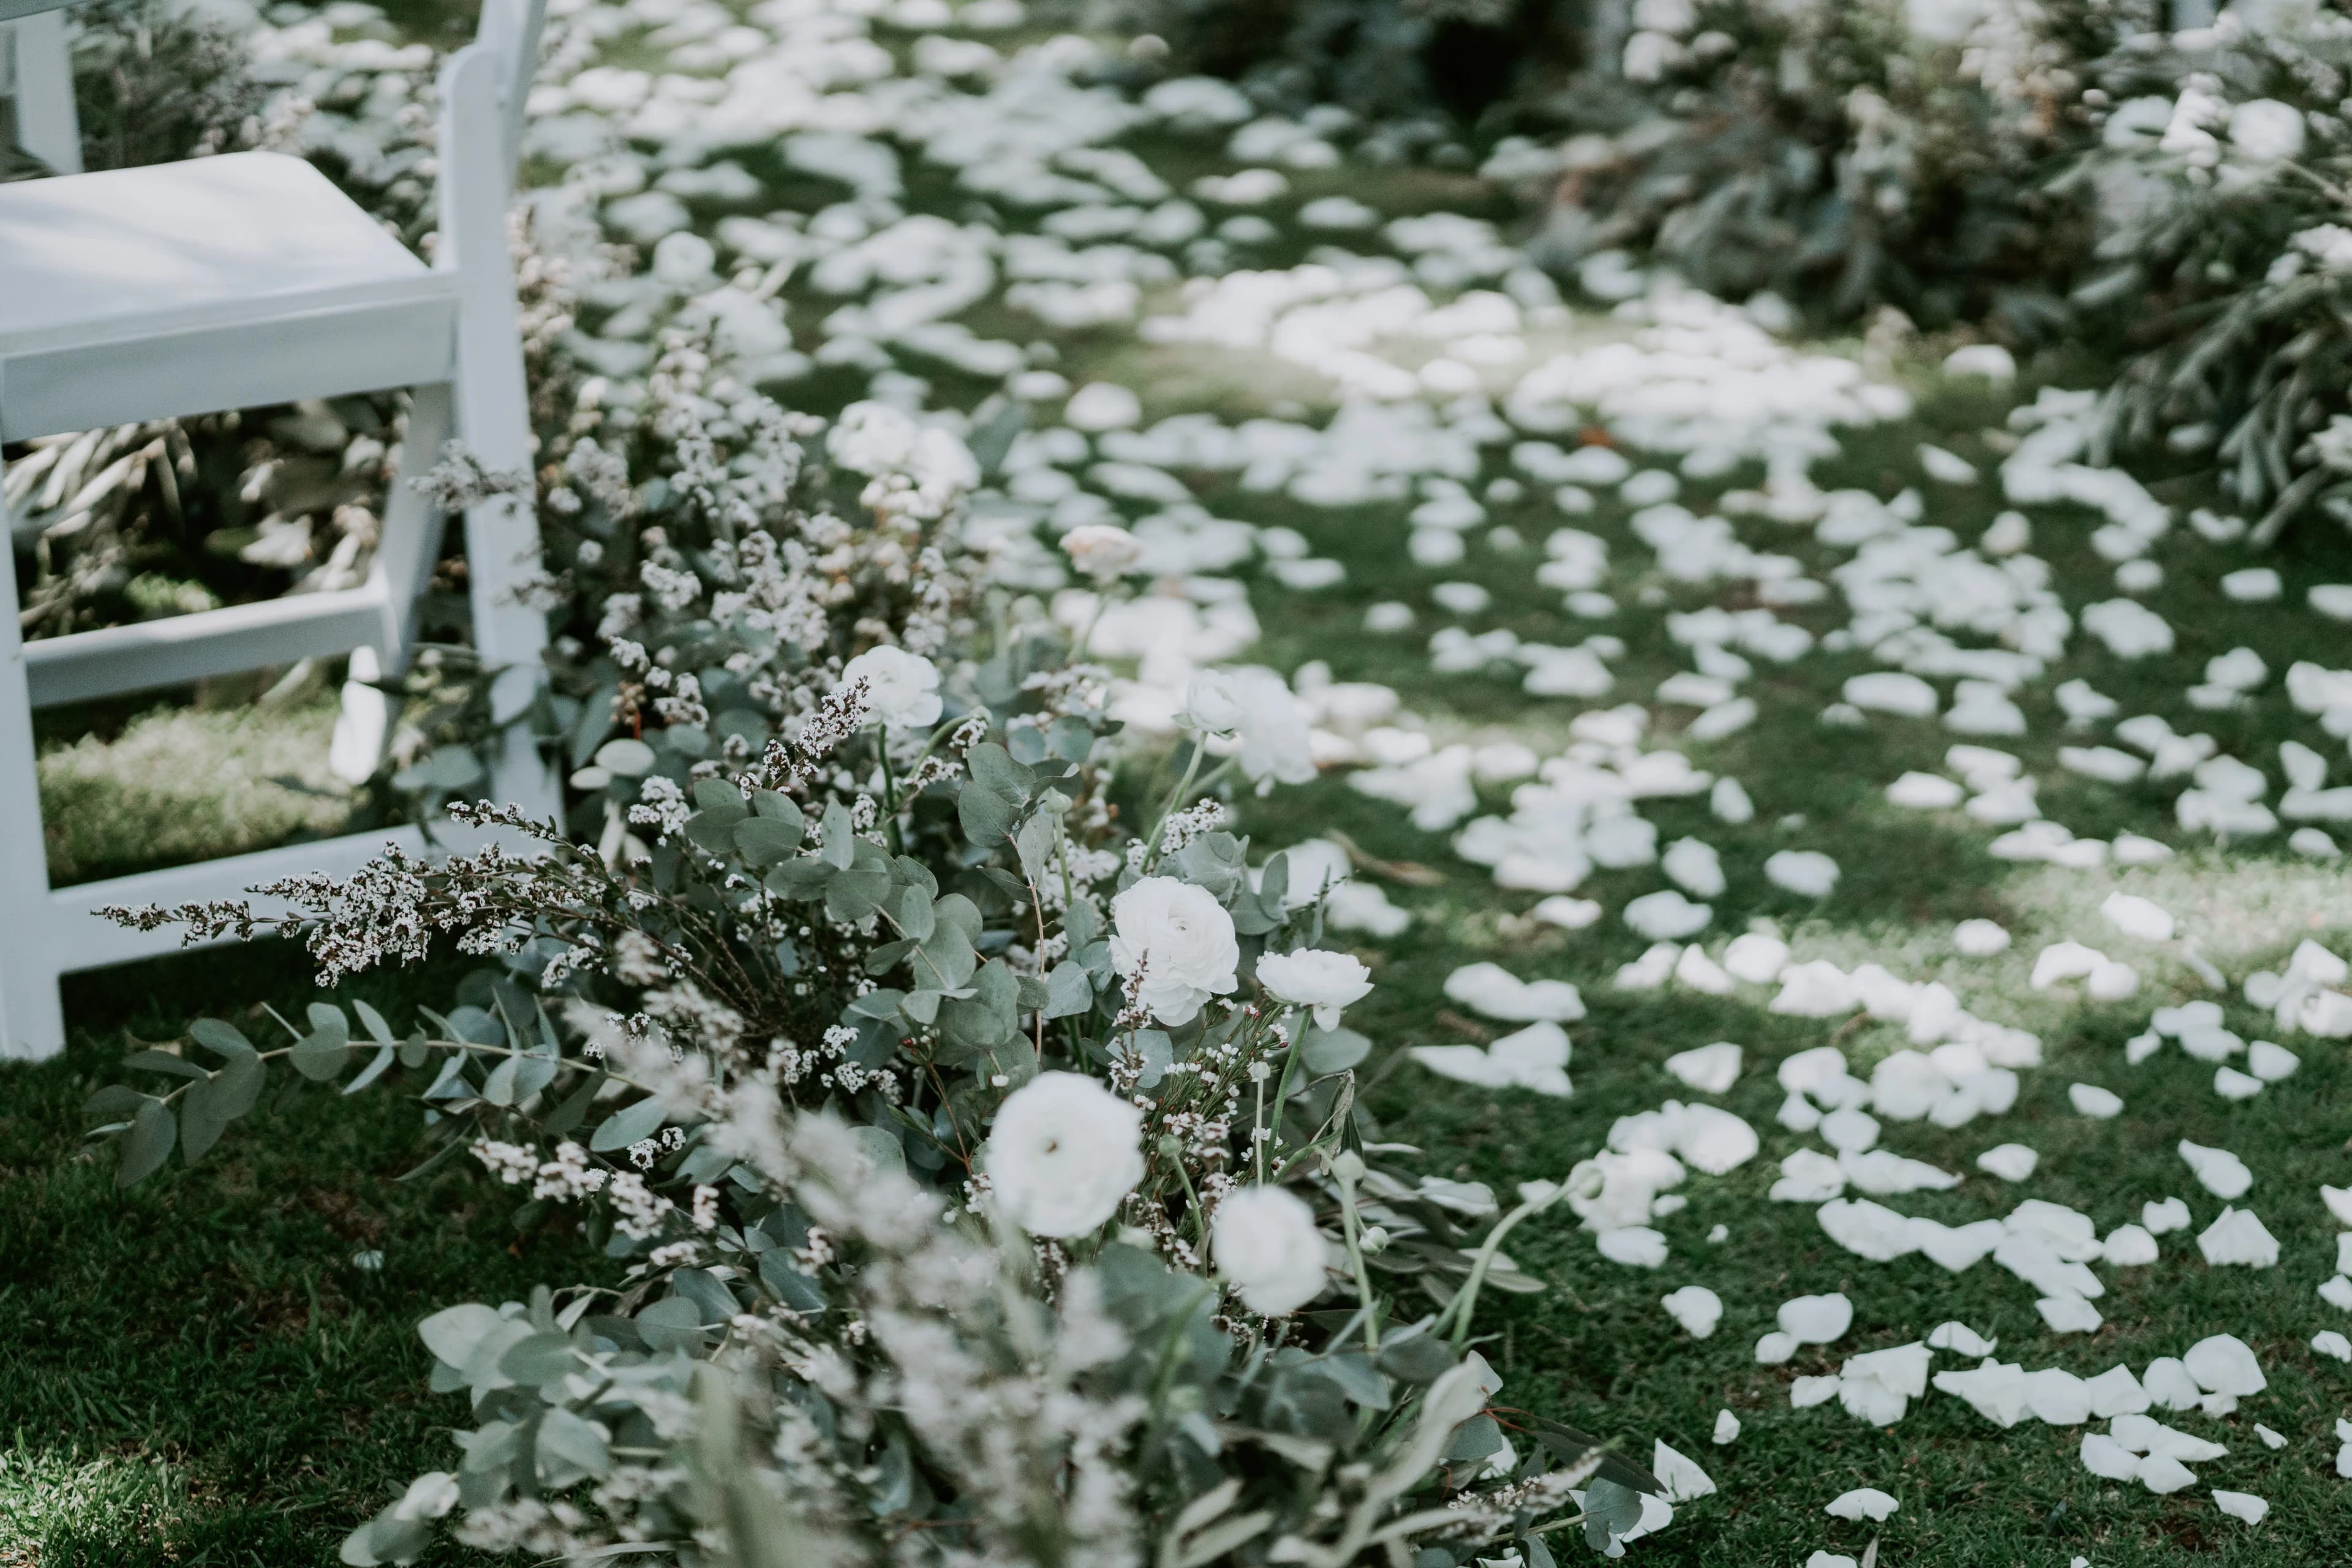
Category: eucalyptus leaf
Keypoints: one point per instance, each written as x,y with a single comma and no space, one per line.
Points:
153,1130
540,1359
320,1054
993,769
765,840
1039,837
574,1111
226,1040
839,839
164,1061
632,1124
1068,993
372,1021
984,815
570,1448
773,807
201,1121
452,1333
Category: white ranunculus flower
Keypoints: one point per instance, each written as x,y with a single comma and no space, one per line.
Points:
902,689
1252,708
1316,978
2266,130
1064,1154
1103,551
1267,1248
1183,942
1209,705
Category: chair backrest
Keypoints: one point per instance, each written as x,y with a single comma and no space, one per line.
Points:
38,58
510,28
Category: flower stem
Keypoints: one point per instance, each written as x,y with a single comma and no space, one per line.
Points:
1465,1300
1351,1223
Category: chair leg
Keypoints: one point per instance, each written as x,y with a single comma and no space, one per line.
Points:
46,126
404,561
364,724
32,1020
493,414
413,526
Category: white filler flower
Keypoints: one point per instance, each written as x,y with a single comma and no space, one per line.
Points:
1314,977
1064,1153
1181,939
902,689
1266,1248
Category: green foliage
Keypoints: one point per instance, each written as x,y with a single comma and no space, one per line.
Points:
2247,354
806,990
153,83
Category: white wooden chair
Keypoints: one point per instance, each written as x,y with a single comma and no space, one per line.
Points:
227,283
36,64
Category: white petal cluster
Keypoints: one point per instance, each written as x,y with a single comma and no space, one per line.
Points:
1180,940
1063,1154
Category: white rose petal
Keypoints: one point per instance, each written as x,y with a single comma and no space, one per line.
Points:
1685,1481
1862,1502
1695,1307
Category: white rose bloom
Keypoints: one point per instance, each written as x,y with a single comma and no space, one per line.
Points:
1314,977
1064,1154
1267,1248
1103,551
902,689
2267,130
1183,942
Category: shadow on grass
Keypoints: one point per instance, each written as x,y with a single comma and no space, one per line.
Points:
196,1370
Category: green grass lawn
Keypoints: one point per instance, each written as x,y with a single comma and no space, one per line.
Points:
195,1371
1597,1348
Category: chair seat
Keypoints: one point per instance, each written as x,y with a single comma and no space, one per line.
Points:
213,283
207,241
